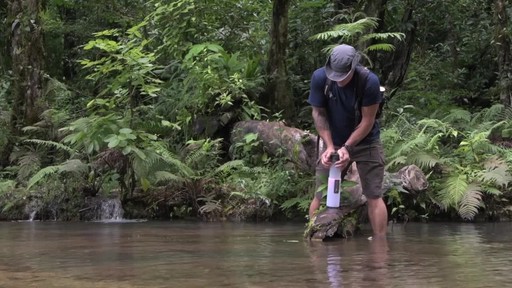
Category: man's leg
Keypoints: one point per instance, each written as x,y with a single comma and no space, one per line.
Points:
370,165
315,204
321,174
378,214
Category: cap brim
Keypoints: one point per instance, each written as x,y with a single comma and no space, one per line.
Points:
340,76
336,76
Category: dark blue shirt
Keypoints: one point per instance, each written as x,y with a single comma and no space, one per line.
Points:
341,106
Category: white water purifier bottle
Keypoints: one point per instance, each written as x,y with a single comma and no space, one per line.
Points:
333,183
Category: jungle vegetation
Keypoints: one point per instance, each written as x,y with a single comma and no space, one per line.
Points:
135,99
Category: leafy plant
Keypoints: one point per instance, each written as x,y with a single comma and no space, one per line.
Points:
357,32
464,164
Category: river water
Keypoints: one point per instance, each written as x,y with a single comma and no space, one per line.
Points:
191,254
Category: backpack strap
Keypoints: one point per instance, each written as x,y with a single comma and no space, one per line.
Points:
361,74
328,94
327,89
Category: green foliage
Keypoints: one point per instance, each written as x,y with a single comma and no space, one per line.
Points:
237,26
74,166
222,79
156,65
357,32
273,185
447,53
456,149
128,67
87,134
10,195
250,150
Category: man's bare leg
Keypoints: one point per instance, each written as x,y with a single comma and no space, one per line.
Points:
378,214
315,204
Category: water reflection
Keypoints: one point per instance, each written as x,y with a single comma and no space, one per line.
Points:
351,263
376,269
157,254
334,270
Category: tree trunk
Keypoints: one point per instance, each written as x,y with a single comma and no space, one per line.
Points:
376,8
4,50
395,67
278,93
27,59
344,4
503,46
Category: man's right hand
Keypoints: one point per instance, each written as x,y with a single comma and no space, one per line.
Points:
342,163
344,157
326,157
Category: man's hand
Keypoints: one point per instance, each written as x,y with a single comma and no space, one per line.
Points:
342,163
344,158
326,156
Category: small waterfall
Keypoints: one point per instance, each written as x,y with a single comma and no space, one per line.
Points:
111,210
32,208
32,216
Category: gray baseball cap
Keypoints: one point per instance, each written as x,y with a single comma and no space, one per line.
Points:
343,60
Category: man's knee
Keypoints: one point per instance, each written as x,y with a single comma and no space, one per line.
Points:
374,201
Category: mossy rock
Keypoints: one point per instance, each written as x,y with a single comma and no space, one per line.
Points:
333,223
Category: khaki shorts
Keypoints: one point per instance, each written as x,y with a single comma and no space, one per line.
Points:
369,159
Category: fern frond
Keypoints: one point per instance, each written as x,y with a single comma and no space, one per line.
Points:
32,129
41,174
499,176
234,164
29,163
492,191
348,30
470,202
411,146
161,176
383,36
51,144
74,166
454,188
437,124
424,160
505,113
480,143
434,141
299,201
7,186
458,114
172,159
494,162
396,161
381,47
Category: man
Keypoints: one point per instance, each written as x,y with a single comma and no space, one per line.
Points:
355,135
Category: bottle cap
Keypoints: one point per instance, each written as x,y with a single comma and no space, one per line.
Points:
335,157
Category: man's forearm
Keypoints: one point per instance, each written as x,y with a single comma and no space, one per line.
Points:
364,127
322,126
361,131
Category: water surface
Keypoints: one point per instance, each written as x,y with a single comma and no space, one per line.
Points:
189,254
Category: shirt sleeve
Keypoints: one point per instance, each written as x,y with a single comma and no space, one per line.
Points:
372,94
316,93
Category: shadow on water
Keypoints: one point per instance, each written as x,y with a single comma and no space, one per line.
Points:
192,254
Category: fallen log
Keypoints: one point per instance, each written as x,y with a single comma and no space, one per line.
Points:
333,223
300,147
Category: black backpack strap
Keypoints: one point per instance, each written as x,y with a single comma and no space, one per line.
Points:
327,88
361,74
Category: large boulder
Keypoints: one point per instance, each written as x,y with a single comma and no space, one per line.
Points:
280,140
